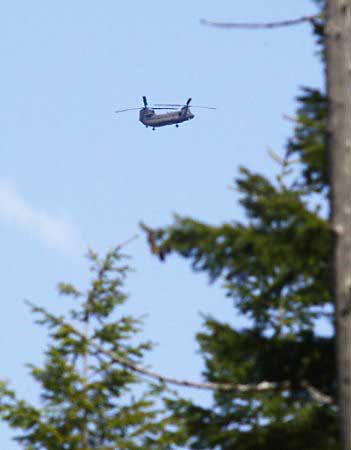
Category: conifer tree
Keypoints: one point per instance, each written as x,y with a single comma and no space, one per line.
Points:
86,400
274,267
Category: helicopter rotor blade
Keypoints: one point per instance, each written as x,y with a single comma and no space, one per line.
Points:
168,104
188,102
192,106
124,110
139,108
203,107
167,107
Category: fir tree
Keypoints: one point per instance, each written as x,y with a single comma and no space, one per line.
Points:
87,401
274,266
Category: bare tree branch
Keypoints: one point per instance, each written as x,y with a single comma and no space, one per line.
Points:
263,386
291,118
125,243
226,387
262,25
317,395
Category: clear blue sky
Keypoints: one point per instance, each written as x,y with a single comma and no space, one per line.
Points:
74,175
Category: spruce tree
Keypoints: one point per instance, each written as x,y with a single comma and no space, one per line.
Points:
274,266
87,401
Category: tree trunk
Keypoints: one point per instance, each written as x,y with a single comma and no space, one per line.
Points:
338,54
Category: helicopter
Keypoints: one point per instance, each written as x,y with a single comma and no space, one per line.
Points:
149,118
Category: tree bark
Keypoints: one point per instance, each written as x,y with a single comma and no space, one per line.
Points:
338,54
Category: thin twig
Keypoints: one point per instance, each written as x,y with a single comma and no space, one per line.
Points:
291,118
283,23
274,155
125,243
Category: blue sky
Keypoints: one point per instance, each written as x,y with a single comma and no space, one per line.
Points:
75,175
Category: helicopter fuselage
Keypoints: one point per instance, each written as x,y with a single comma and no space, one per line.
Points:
149,118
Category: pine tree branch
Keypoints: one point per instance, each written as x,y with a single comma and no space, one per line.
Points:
262,25
259,387
227,387
224,387
315,393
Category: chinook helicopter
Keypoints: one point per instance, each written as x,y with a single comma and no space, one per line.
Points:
149,118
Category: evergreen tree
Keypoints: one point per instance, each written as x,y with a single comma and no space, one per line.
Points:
87,401
275,268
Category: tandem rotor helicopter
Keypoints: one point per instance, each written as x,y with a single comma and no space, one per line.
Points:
149,118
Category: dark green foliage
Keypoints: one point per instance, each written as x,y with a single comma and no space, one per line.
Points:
242,357
86,400
318,28
309,141
277,261
275,268
223,428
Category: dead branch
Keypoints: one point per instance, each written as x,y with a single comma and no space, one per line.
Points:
228,387
259,387
225,387
291,118
315,394
262,25
125,243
